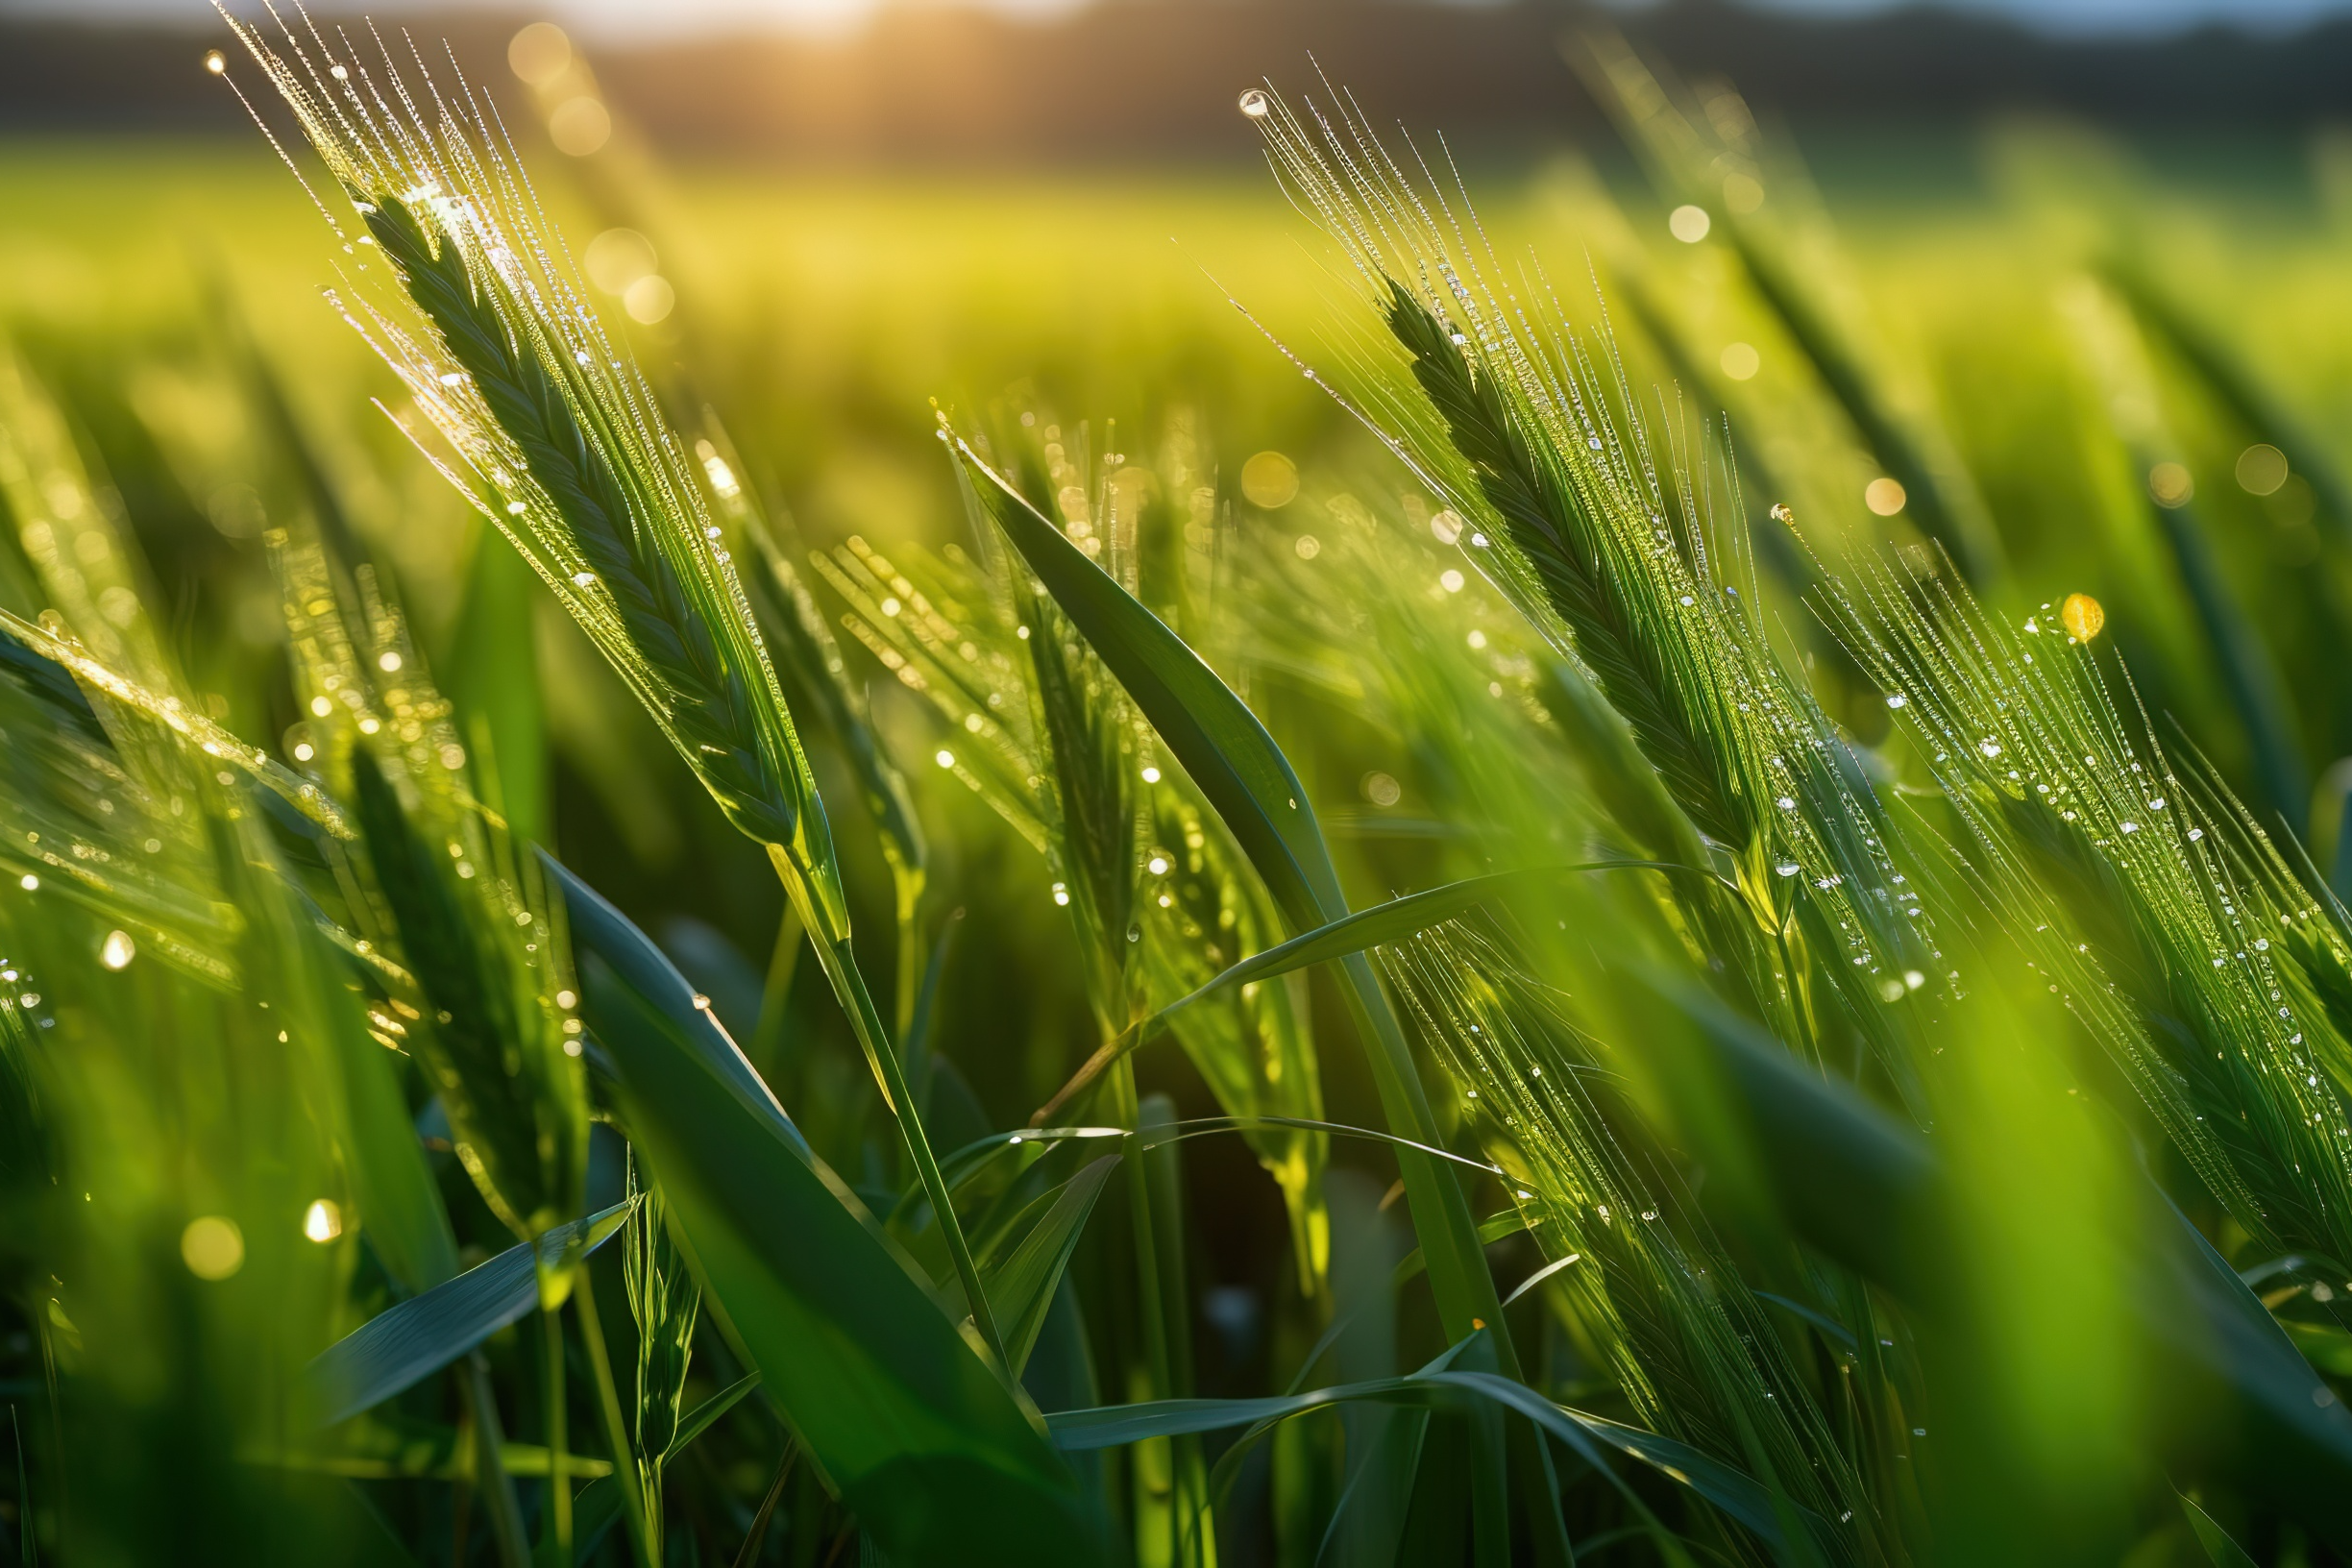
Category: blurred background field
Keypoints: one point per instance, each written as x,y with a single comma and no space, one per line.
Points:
824,305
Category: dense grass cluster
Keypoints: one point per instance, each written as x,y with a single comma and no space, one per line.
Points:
1655,955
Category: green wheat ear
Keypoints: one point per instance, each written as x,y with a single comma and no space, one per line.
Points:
556,436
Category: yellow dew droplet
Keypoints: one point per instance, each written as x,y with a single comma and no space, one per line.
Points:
618,257
2261,468
1269,480
215,62
649,300
579,126
539,53
213,1247
1783,512
323,1220
2083,615
117,950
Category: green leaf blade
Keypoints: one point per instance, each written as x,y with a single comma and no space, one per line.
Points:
930,1448
396,1349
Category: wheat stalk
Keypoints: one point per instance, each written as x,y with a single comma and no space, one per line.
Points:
556,436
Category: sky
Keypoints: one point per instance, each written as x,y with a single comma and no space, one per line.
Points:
619,20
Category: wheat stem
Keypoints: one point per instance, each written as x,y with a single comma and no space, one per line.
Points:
608,1416
874,1037
490,1476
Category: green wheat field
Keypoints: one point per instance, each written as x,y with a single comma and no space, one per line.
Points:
1635,856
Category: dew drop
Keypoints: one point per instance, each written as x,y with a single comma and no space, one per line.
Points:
1254,104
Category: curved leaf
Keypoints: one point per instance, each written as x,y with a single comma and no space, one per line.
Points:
1872,1194
2218,1545
939,1458
423,1333
597,927
1252,786
1021,1288
2224,1552
1737,1495
702,1416
1351,934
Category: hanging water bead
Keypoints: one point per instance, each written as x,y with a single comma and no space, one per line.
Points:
1254,104
2083,615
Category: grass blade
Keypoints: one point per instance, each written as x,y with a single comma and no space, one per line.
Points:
1341,938
425,1333
1022,1287
1252,786
495,683
1589,1435
929,1446
1865,1190
2224,1552
702,1416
